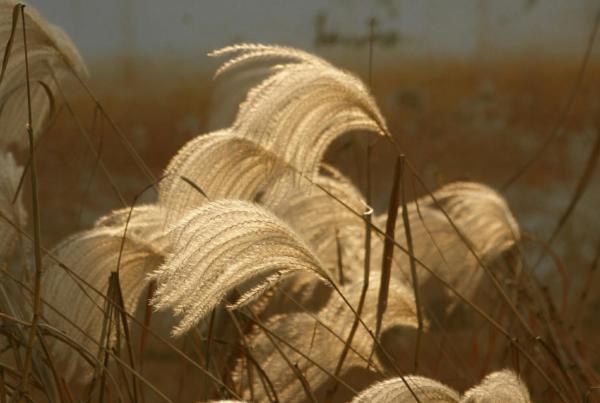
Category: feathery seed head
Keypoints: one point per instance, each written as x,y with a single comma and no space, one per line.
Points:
222,246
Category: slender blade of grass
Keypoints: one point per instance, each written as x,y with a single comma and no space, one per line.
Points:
367,262
388,246
413,266
294,367
23,387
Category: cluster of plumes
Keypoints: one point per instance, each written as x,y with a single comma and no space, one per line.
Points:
270,158
501,386
250,215
310,217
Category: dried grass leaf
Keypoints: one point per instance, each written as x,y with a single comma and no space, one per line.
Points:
224,245
50,52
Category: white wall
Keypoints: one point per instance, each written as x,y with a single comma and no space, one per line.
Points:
190,28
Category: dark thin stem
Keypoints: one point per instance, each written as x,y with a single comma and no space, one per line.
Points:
36,228
586,287
340,260
388,246
301,378
413,266
126,143
207,357
371,40
361,303
97,153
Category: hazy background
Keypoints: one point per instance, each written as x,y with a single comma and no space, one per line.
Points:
470,89
187,29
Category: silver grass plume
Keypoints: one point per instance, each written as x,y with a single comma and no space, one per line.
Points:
143,223
93,255
222,246
290,118
303,106
10,173
498,387
51,55
222,165
477,208
242,76
483,218
395,390
243,53
335,234
324,222
324,346
225,401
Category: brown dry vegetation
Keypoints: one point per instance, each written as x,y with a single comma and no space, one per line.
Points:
454,121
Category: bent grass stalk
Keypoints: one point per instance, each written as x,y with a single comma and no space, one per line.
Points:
36,224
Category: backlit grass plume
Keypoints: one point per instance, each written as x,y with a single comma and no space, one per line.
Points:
282,129
77,271
500,386
323,342
335,234
221,247
485,222
302,106
143,223
216,166
51,56
325,223
396,390
244,53
10,173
